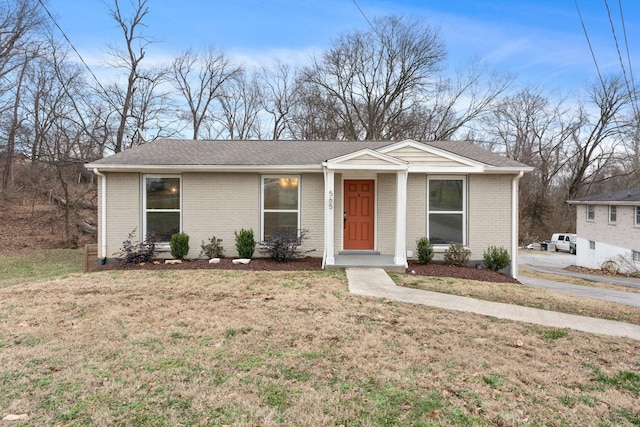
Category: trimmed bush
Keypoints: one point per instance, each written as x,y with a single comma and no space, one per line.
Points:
138,252
425,250
457,255
213,249
245,244
496,258
179,245
284,246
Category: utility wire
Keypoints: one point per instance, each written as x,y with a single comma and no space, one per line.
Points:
626,43
624,71
72,46
363,14
586,34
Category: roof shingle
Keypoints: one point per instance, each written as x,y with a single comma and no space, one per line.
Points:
165,152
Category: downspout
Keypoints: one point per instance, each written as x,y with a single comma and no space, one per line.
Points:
514,224
103,213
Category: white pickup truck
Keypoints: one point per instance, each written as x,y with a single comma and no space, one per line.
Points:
564,242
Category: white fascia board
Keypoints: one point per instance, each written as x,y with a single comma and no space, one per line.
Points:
603,203
447,170
367,167
207,168
369,152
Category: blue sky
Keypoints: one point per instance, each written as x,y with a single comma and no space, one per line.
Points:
540,41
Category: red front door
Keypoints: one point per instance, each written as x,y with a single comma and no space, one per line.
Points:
358,214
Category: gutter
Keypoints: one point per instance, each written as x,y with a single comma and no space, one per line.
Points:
514,224
103,213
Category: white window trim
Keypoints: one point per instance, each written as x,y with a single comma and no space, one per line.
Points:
636,211
635,256
144,202
465,208
594,213
613,208
263,210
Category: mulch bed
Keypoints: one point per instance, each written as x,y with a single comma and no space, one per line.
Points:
435,269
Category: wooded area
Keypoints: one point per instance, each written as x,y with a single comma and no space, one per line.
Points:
384,83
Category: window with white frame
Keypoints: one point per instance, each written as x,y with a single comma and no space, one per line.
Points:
591,212
280,204
613,213
636,256
446,210
637,216
592,245
162,206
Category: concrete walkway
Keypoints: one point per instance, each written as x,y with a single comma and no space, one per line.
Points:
375,282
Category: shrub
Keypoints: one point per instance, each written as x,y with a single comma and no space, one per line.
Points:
179,245
425,250
213,249
496,258
245,244
138,252
457,255
284,246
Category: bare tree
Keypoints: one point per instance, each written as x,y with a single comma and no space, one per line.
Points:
596,140
240,105
128,59
455,103
199,79
532,128
375,77
279,92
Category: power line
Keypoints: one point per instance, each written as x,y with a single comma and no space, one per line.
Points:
362,13
615,39
626,43
593,55
72,46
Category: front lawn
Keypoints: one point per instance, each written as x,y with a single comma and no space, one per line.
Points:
290,348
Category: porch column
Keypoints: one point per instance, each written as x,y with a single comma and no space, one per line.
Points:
329,214
400,257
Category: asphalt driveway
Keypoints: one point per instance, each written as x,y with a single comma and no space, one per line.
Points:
555,262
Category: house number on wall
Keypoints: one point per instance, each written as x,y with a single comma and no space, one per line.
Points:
330,199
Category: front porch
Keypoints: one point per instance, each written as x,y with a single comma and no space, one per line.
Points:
366,259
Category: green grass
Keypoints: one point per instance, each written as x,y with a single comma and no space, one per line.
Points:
38,266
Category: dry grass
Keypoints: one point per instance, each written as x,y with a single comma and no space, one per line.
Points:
245,349
523,295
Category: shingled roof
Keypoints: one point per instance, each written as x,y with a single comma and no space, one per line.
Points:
621,197
175,152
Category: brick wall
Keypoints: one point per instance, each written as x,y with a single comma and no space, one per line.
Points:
489,215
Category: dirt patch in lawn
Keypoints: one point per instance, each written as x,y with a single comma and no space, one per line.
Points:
207,347
435,269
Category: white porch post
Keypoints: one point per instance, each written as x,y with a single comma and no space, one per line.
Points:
400,256
329,216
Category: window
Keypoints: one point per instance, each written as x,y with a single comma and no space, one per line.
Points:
161,206
591,212
613,213
280,204
446,211
592,245
636,256
637,216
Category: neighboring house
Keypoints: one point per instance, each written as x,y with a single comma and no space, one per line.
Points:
367,197
608,229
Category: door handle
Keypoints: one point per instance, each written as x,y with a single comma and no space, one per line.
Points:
344,220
